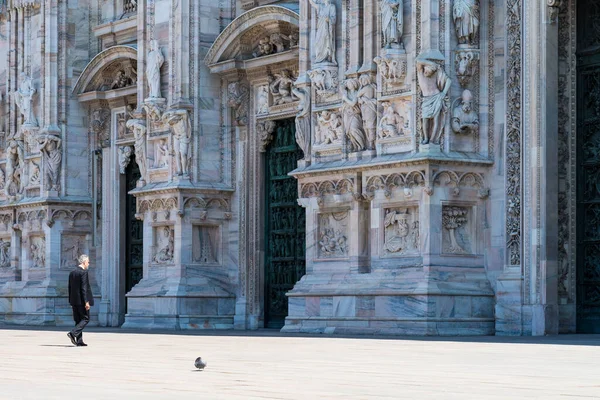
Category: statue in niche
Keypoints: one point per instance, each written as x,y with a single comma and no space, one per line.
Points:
353,124
281,87
165,254
391,123
434,84
162,154
464,118
466,21
153,65
15,162
325,36
125,153
392,22
138,126
4,253
262,106
24,99
368,107
303,120
51,148
180,124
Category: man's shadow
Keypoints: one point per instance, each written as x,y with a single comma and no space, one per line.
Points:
57,345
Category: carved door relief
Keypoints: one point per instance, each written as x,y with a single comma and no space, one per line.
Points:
133,230
588,168
284,224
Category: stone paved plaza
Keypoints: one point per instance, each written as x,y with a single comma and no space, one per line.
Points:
117,364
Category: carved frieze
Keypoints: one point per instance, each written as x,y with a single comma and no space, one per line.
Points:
401,231
456,236
164,248
333,235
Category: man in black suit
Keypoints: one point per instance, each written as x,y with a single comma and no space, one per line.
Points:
80,298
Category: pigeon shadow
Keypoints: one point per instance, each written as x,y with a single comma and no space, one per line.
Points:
196,370
56,345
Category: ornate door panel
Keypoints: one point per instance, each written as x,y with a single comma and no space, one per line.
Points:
284,224
133,231
588,165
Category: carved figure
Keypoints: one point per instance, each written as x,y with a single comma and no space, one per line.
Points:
332,243
162,154
138,126
180,124
15,162
392,22
264,47
4,253
24,99
397,229
51,148
466,20
237,98
154,62
464,118
325,36
34,176
262,106
465,66
435,84
368,107
281,87
165,254
391,123
303,120
125,153
329,129
121,80
353,124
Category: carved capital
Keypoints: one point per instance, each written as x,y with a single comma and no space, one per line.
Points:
553,9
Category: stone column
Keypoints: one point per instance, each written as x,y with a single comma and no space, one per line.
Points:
180,49
540,150
51,88
430,25
352,17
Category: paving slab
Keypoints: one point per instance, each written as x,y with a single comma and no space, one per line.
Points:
42,364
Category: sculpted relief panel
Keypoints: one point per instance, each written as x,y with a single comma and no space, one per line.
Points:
401,231
333,235
164,247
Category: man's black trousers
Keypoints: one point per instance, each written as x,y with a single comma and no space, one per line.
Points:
81,317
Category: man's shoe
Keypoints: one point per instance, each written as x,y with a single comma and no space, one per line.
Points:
81,344
70,335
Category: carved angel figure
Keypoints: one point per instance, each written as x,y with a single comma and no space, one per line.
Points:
24,99
325,37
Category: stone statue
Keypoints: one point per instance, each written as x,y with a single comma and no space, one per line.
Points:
124,157
391,123
464,118
466,20
303,120
281,87
237,99
180,124
153,64
24,99
262,103
51,148
15,161
435,84
138,126
392,22
165,254
325,36
368,107
4,253
353,124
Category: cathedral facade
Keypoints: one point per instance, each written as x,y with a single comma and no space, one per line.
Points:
403,167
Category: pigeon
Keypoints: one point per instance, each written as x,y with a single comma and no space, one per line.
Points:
199,363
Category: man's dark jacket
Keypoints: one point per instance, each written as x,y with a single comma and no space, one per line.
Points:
80,290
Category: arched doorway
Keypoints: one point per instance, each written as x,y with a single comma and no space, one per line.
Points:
588,166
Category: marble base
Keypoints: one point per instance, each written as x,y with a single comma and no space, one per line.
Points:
411,301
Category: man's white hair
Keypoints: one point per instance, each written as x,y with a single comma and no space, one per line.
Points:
83,258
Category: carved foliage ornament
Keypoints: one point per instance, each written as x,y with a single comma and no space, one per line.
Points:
454,218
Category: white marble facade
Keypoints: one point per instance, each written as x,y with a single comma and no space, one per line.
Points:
421,161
